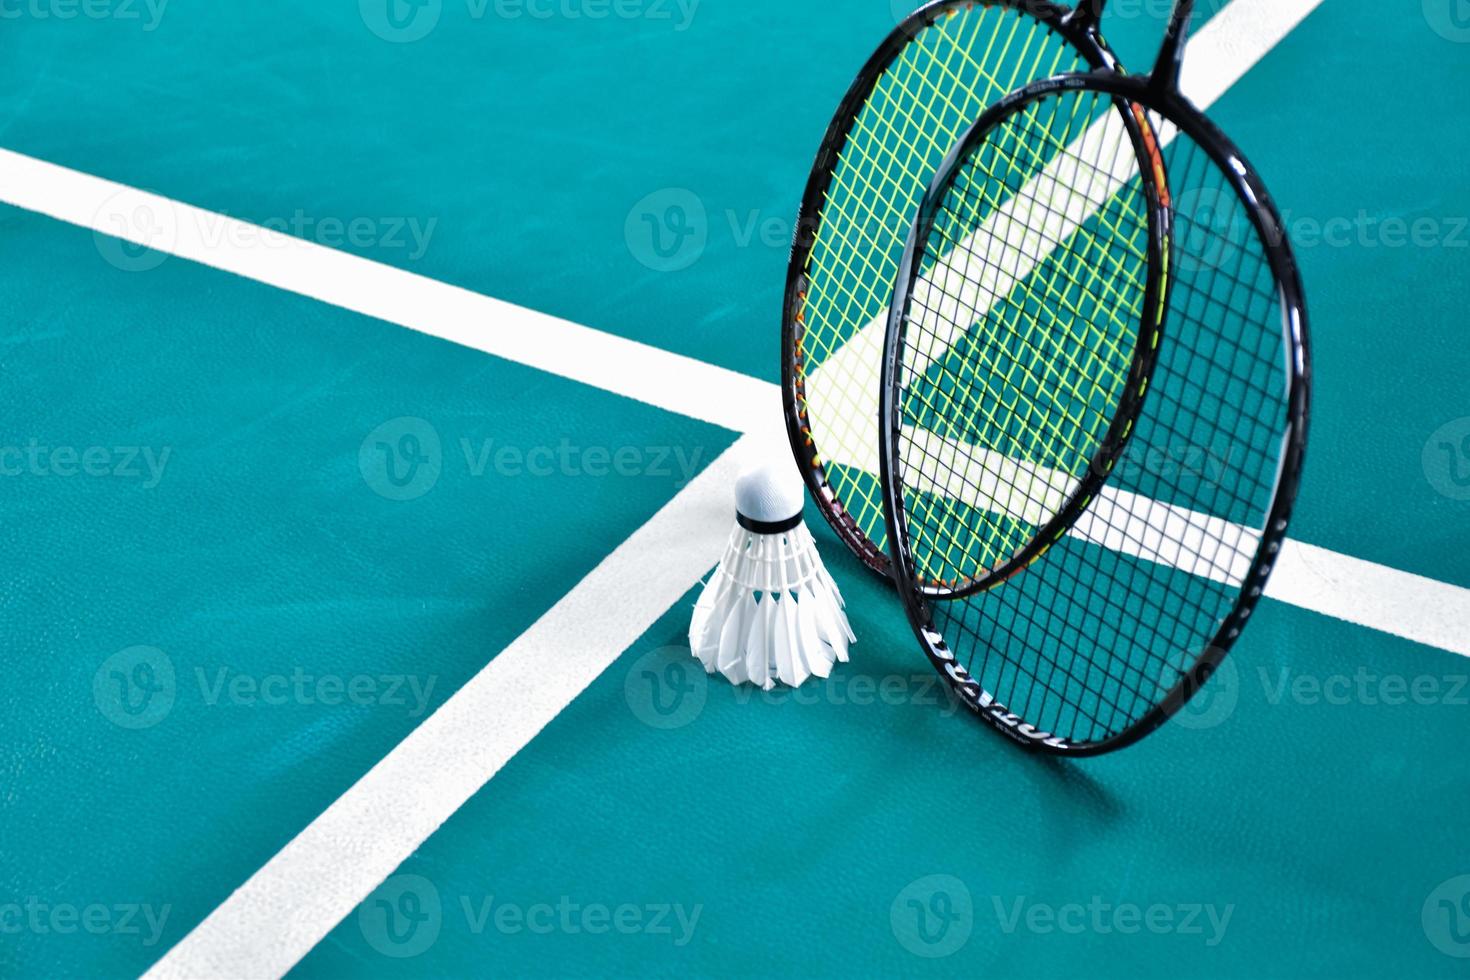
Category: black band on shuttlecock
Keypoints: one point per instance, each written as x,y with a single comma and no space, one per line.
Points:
766,527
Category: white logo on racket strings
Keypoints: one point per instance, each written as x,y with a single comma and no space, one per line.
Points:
983,700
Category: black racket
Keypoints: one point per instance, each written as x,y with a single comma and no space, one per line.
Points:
1124,462
917,94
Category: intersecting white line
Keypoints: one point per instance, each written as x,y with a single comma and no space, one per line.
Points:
291,903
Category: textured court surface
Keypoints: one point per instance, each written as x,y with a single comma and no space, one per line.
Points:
253,540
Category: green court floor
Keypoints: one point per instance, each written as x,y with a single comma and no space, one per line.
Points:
307,528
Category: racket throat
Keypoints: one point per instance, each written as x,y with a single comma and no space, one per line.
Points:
1165,76
1087,15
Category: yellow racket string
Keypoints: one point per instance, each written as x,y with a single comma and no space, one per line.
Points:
918,108
1035,377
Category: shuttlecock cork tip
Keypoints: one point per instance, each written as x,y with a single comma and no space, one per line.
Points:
770,495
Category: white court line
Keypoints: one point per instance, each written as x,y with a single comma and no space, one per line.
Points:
291,903
287,906
1401,604
626,367
1420,609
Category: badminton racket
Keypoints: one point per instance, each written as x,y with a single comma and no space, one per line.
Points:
1087,486
917,94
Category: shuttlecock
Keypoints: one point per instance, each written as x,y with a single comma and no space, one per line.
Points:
771,611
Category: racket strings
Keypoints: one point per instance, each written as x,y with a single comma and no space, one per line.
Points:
1087,641
918,108
906,133
1049,285
1019,335
839,389
1049,290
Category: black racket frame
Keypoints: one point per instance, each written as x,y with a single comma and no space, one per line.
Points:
1079,27
1159,93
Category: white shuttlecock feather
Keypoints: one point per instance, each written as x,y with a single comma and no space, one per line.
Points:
771,612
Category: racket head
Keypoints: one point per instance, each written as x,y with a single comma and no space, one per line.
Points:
928,80
1135,604
1028,332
